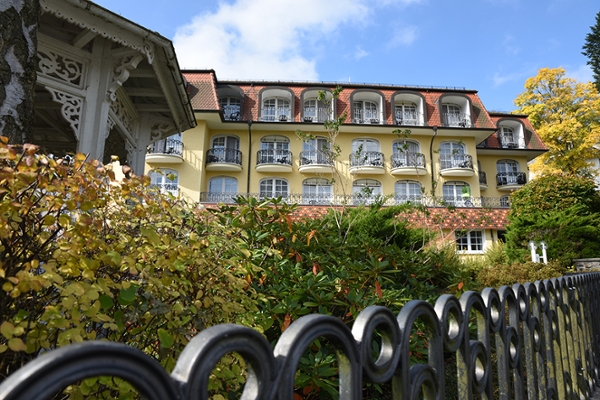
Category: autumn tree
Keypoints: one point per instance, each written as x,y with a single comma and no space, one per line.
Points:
566,115
592,50
18,51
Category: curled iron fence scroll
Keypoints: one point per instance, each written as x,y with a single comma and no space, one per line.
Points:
533,341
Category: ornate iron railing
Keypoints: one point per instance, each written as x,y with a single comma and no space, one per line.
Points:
316,114
274,156
366,158
409,118
461,120
316,157
533,341
222,155
353,199
456,161
511,178
166,146
407,159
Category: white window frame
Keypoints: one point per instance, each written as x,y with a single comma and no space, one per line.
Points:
222,191
317,191
274,108
230,106
274,187
454,194
408,112
159,178
408,191
360,185
470,242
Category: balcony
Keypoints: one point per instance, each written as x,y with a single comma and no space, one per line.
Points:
224,160
276,114
509,181
361,116
409,118
316,115
408,164
165,151
367,162
274,160
482,181
231,113
457,120
315,162
456,165
361,198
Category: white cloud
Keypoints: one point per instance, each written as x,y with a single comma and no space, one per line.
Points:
262,38
360,53
269,39
403,36
582,74
500,79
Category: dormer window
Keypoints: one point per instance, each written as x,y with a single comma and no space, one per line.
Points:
231,102
510,134
231,108
315,110
367,108
456,111
276,105
409,108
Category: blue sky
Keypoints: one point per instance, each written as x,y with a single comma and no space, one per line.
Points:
491,46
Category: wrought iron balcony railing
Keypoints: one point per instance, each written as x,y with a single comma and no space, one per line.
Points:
361,116
315,157
407,159
456,161
366,159
276,114
534,340
350,199
461,120
232,113
511,178
316,114
166,146
274,156
409,118
226,156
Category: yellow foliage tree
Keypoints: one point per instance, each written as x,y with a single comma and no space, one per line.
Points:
566,115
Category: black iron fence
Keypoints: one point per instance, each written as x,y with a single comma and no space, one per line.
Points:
533,341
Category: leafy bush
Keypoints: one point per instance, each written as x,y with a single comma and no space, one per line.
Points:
83,258
508,274
563,211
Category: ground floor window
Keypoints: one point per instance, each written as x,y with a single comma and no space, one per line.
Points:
165,180
273,188
469,241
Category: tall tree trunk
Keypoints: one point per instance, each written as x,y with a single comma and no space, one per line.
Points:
18,49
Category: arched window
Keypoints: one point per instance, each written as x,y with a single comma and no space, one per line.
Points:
274,150
508,173
316,191
505,201
165,180
408,191
276,109
231,108
366,191
457,194
273,188
365,111
222,189
225,149
365,152
316,151
454,155
508,138
406,113
407,153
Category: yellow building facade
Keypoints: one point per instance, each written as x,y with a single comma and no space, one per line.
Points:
435,146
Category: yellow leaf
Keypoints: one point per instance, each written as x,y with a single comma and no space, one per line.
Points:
16,344
7,329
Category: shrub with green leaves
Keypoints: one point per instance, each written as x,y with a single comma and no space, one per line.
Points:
83,258
562,210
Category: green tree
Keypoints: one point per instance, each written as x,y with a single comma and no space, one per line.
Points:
562,210
592,50
566,115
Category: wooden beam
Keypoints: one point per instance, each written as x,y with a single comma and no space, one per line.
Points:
152,107
143,92
83,38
